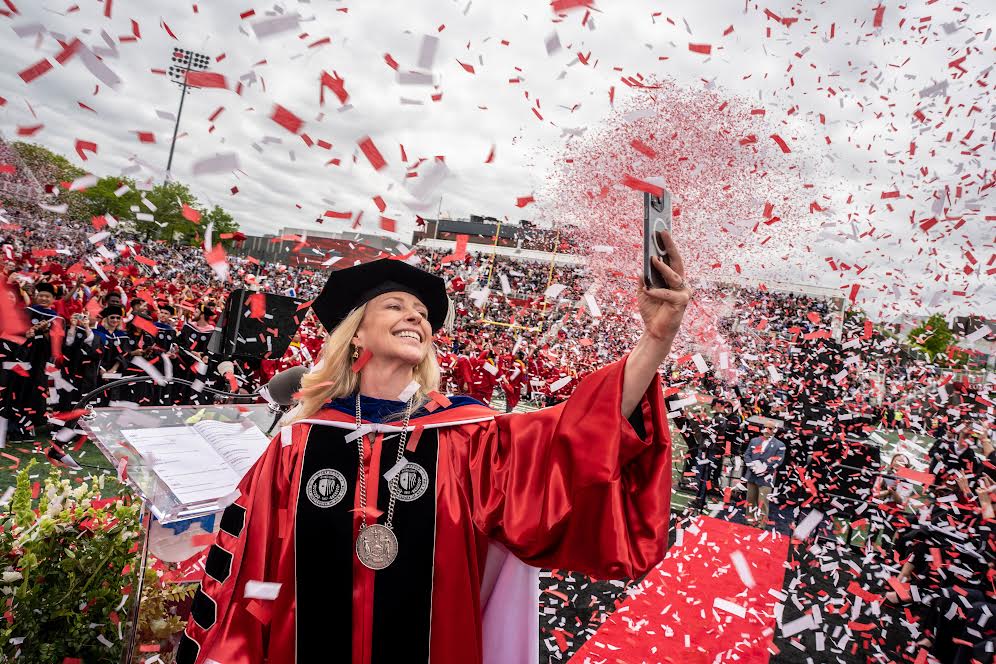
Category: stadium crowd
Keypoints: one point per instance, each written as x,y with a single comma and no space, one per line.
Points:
780,403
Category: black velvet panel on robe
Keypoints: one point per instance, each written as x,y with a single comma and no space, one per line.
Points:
325,550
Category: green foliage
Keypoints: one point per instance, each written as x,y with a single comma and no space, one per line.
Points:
166,199
63,572
934,336
158,623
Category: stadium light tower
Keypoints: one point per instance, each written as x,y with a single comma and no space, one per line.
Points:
184,62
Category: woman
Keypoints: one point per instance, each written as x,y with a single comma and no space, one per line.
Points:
115,351
193,358
890,495
355,540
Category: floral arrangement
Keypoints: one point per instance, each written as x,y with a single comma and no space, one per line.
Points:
68,560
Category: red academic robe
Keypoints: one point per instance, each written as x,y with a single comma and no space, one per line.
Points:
575,486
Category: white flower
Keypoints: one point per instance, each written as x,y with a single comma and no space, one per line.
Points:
10,577
54,508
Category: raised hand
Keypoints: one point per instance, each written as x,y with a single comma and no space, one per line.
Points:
662,309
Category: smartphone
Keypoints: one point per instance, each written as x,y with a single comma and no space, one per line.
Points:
656,218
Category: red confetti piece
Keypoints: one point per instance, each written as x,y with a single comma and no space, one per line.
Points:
379,202
190,214
565,5
781,143
523,201
640,185
854,293
459,250
372,153
146,136
168,31
217,258
34,71
879,15
920,477
391,62
338,215
87,146
704,49
286,119
440,399
145,325
643,148
206,79
467,68
491,156
335,84
362,360
388,224
890,194
415,436
257,306
68,51
202,540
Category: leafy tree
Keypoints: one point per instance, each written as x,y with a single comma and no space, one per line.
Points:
165,201
934,336
101,199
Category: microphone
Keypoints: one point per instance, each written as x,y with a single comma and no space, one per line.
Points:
280,391
227,369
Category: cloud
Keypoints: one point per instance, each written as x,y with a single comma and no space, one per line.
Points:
859,88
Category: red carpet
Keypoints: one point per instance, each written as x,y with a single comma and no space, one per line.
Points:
678,614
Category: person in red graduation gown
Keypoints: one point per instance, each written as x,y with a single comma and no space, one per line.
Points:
374,544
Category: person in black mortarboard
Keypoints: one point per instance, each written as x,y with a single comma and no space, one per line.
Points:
83,353
25,392
165,344
408,512
115,349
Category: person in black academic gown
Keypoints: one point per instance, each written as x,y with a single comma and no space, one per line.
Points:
193,357
142,341
115,351
82,355
26,393
165,347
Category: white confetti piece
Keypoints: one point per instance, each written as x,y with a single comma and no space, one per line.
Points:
798,625
407,393
262,590
560,384
395,469
806,526
275,26
222,163
729,607
743,569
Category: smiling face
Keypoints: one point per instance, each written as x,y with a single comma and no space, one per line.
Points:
395,326
43,299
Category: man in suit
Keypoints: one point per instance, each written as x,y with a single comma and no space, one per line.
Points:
762,458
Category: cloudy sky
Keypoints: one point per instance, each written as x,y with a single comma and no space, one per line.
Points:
873,101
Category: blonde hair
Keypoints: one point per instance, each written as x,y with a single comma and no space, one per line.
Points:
332,376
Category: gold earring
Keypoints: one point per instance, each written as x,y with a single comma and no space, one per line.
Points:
356,353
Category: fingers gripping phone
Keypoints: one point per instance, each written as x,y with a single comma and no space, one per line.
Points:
656,218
